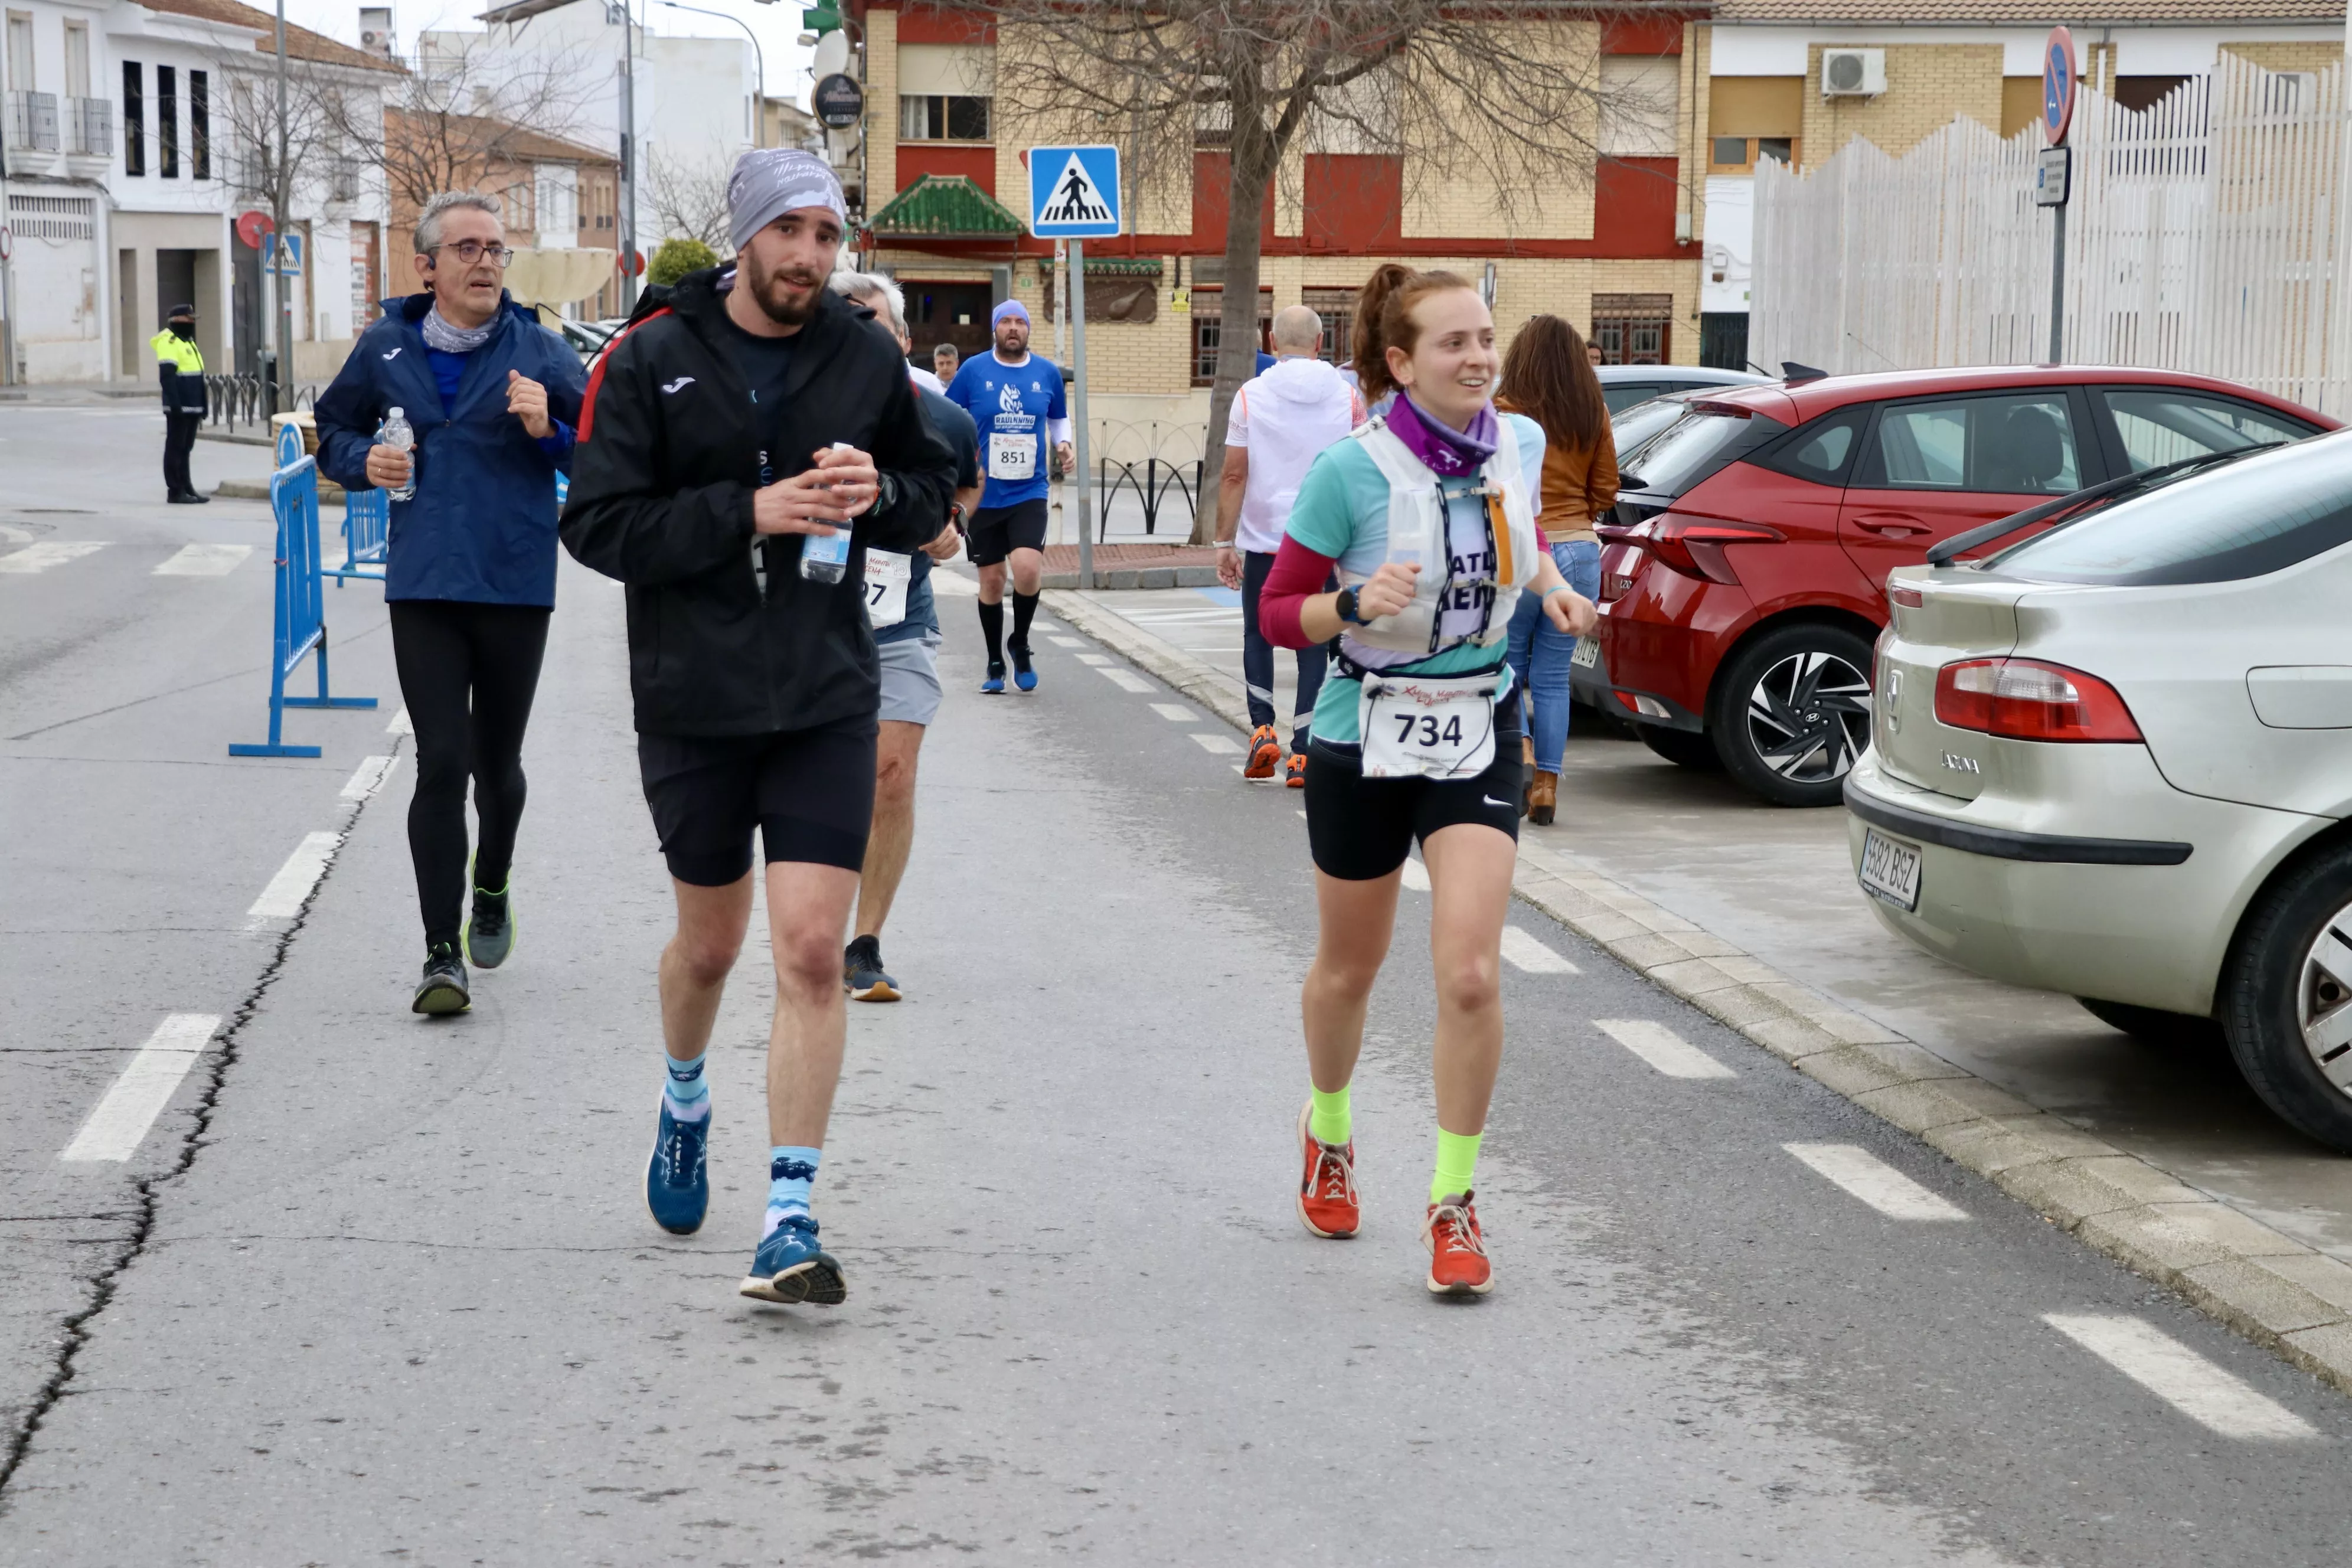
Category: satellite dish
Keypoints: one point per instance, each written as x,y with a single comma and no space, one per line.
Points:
832,53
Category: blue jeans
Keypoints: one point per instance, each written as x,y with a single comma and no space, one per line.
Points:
1257,656
1539,654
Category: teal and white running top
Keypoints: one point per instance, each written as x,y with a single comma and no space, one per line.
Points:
1342,512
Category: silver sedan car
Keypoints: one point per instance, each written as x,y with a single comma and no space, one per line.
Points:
2115,761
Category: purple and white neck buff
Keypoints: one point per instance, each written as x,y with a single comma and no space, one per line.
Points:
1448,453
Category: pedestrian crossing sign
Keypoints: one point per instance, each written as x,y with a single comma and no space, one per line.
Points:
1073,192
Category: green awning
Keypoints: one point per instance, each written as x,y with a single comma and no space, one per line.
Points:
1123,267
940,207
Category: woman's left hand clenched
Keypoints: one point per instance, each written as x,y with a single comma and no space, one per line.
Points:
1572,612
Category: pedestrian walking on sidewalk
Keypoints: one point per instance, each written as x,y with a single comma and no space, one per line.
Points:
1548,376
1018,402
492,398
1429,518
1281,420
181,364
736,430
905,617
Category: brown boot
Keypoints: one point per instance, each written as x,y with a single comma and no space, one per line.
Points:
1527,771
1543,798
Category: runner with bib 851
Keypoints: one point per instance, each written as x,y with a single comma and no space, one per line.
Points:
1428,516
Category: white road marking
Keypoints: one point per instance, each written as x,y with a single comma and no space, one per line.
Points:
1068,642
1126,680
1176,713
1527,952
2179,1376
204,560
1097,659
282,899
1875,1181
1220,745
956,587
1039,624
10,534
368,778
139,1095
400,724
49,552
1302,815
1661,1048
1416,875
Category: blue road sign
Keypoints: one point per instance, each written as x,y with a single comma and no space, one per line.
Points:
287,263
2058,73
1073,192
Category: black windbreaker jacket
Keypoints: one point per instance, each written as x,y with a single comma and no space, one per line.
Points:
661,498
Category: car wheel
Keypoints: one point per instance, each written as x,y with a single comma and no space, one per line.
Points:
2155,1026
1683,747
2287,997
1791,713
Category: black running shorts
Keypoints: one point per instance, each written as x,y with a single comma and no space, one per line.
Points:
998,530
809,792
1360,830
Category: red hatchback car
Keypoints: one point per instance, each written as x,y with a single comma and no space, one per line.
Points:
1743,576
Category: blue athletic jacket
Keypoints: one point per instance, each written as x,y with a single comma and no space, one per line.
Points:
481,527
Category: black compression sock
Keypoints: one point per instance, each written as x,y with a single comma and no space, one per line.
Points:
992,629
1024,610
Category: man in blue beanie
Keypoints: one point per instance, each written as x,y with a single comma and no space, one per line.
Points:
1017,400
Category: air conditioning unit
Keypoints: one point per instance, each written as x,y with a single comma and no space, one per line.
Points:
1854,73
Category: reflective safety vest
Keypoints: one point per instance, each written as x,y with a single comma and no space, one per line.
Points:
177,352
1418,533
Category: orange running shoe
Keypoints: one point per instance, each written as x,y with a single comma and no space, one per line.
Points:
1457,1252
1326,1192
1299,769
1265,753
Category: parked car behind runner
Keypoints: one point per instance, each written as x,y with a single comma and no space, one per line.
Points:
1744,574
1623,385
2115,761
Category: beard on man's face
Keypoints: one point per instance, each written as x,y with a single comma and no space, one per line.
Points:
1012,337
787,295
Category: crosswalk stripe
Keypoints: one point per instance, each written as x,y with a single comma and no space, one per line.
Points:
1176,713
1097,659
1661,1048
1866,1177
1215,743
282,899
368,778
955,587
1126,680
204,560
1526,950
119,1122
49,552
2180,1377
1068,642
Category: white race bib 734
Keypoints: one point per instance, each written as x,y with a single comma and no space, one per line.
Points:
1427,726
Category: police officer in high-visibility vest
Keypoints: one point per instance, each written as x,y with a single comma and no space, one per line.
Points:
182,365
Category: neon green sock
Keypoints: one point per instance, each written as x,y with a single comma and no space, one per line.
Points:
1457,1162
1333,1120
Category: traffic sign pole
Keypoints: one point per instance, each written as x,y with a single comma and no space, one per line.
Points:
2058,74
1084,474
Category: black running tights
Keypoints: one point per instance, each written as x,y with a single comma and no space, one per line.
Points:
467,673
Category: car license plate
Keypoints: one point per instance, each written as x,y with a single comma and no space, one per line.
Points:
1890,870
1587,655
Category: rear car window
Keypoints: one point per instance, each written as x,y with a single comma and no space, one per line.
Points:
2161,424
2250,518
1626,393
2021,445
1709,438
1821,451
1635,428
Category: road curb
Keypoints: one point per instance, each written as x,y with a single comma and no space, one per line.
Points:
2277,1292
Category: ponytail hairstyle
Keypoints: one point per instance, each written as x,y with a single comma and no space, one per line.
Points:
1548,376
1384,321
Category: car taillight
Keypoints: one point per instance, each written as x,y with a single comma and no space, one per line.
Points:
1694,546
2025,699
1906,595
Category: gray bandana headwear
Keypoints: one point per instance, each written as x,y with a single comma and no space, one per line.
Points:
770,182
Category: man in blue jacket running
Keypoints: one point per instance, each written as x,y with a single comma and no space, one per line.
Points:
493,398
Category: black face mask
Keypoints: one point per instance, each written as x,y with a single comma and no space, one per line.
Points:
184,330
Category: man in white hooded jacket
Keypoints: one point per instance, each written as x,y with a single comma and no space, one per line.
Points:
1280,420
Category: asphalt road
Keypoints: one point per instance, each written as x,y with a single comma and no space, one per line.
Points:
374,1287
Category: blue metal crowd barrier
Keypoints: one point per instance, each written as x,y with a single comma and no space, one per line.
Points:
300,622
367,536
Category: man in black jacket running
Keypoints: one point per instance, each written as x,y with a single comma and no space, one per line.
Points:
749,417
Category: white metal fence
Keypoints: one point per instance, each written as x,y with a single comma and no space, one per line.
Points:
2204,234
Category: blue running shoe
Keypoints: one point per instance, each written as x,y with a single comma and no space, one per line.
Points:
995,681
792,1269
1024,676
678,1188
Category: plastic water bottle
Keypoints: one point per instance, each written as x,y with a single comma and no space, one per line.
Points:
825,558
396,433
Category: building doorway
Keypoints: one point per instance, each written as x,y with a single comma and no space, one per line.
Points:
948,314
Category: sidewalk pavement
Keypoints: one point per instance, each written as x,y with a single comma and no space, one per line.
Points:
1749,912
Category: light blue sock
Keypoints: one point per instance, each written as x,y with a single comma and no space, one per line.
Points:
688,1097
792,1172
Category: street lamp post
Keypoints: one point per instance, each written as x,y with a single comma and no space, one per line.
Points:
760,63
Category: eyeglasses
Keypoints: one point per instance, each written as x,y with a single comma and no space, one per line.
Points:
470,252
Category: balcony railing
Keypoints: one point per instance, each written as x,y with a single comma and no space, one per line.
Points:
32,122
89,127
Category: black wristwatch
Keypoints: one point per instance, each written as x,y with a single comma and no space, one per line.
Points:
1346,606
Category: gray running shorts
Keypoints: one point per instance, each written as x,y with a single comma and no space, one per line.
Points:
910,680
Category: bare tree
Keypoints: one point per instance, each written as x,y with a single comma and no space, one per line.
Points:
689,198
1503,95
